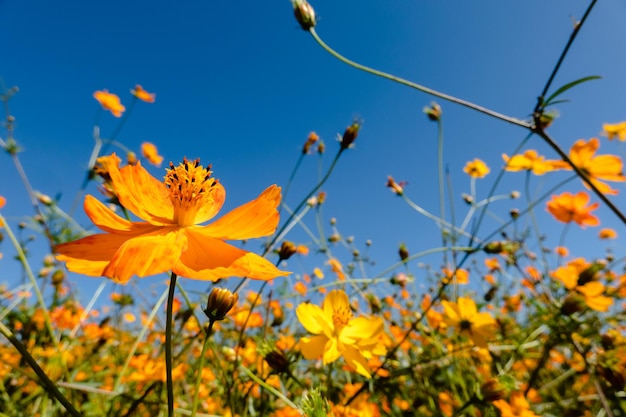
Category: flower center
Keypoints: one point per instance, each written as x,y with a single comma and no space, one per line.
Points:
189,185
341,316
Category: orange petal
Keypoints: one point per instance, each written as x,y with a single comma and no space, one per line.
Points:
313,347
256,218
213,200
211,259
146,255
91,254
142,194
106,220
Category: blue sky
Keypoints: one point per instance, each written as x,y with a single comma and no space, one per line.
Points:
240,86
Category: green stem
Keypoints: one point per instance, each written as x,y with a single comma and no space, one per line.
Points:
419,87
205,344
168,346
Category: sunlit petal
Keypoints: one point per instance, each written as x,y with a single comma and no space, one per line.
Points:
106,220
311,317
313,347
357,361
91,254
213,200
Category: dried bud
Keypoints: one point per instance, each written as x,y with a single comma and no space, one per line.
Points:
350,135
44,199
492,390
397,188
321,147
321,197
304,13
334,238
58,276
514,213
433,111
277,361
310,141
220,302
468,198
514,195
287,249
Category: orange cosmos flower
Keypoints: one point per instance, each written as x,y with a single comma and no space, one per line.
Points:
529,161
617,130
479,327
607,233
601,167
3,201
171,236
476,169
573,276
517,406
568,207
110,102
151,153
142,94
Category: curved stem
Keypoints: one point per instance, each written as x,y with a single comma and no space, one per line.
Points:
419,87
168,346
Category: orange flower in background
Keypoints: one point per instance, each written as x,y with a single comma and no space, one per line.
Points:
592,291
337,333
617,130
142,94
151,153
517,406
601,167
476,169
607,233
530,160
171,236
568,207
337,268
3,201
479,327
110,102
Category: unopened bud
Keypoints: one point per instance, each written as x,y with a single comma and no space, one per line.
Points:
304,13
131,158
433,111
310,141
573,303
321,147
220,302
514,195
403,252
514,213
58,276
395,187
44,199
350,135
277,361
492,390
287,249
468,198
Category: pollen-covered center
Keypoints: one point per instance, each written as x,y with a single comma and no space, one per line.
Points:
189,185
341,316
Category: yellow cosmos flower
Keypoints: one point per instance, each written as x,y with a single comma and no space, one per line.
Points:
142,94
574,276
337,333
110,102
171,236
617,130
600,167
529,161
568,207
479,327
476,169
151,153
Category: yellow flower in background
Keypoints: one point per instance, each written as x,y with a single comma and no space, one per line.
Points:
568,207
601,167
607,233
479,327
617,130
337,333
171,236
592,291
476,169
142,94
110,102
530,160
151,153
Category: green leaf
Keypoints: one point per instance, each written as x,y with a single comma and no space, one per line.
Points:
566,87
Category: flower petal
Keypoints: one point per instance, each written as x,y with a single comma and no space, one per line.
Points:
107,221
142,194
256,218
313,347
91,254
331,352
311,317
146,255
211,259
357,361
335,301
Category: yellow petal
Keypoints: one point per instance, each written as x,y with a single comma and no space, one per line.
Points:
467,308
331,352
106,220
142,194
361,328
312,317
313,347
335,301
256,218
356,361
451,311
89,255
211,259
146,255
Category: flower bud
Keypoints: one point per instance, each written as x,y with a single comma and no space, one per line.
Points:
573,303
403,252
131,158
321,147
350,135
220,302
58,276
277,361
492,390
310,141
433,111
304,13
287,249
396,188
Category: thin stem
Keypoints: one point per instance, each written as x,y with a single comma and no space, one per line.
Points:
205,344
168,346
419,87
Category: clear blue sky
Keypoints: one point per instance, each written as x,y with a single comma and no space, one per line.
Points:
240,85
